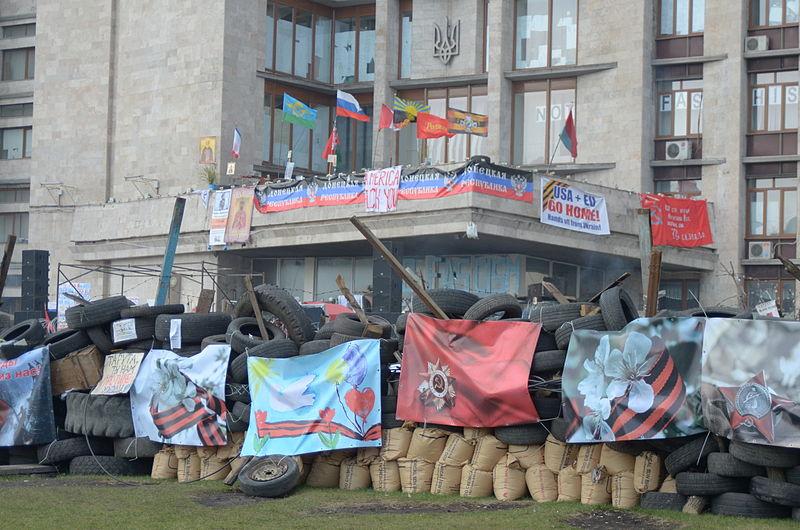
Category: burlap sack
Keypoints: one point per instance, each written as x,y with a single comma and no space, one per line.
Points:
415,475
366,455
569,485
471,434
395,443
596,487
508,479
353,475
488,452
623,494
183,451
615,462
475,482
188,468
165,464
647,472
588,458
669,485
234,446
427,444
527,455
323,474
457,451
213,468
541,483
385,475
446,479
337,457
558,455
206,452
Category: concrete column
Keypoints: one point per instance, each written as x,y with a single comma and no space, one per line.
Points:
725,103
501,20
387,43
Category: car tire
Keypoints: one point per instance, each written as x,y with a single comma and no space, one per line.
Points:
194,326
727,465
709,484
745,505
617,308
765,455
97,313
64,342
775,491
492,304
530,434
269,476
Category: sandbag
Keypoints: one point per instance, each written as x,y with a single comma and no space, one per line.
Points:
569,485
385,475
488,451
366,455
214,468
527,455
647,472
323,474
415,475
395,443
337,457
541,483
446,479
623,494
558,455
596,487
670,485
427,444
353,475
471,434
188,468
184,451
234,446
588,458
616,462
165,464
457,451
508,480
475,482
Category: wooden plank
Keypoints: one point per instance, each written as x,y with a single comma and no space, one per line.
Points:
27,469
398,268
9,252
169,252
651,308
248,283
553,290
370,329
618,281
204,301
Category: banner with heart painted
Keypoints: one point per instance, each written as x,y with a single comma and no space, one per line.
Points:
321,402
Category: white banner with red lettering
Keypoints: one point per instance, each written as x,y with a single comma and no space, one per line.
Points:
381,187
566,206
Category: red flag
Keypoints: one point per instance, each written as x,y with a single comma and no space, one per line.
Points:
331,145
386,119
678,222
569,137
467,373
430,126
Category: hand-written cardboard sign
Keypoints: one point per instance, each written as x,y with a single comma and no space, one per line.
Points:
381,187
119,371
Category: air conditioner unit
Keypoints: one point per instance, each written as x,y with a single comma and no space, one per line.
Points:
759,250
758,43
679,150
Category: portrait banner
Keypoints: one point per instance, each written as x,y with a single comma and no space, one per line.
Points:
221,205
240,215
208,150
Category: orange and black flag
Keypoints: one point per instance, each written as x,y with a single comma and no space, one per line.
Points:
462,122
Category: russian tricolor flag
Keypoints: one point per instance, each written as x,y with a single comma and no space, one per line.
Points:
347,106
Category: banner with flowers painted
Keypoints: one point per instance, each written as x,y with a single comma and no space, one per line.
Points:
639,383
321,402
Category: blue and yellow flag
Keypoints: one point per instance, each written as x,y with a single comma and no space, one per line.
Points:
297,112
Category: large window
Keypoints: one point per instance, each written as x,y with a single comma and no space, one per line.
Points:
298,41
782,291
772,207
357,274
546,33
687,188
16,111
15,143
539,113
18,64
765,13
679,295
773,101
19,31
680,108
281,137
15,195
14,223
681,17
354,45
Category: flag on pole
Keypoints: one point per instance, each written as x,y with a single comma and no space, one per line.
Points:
387,119
297,112
430,126
237,143
347,106
569,137
331,145
406,110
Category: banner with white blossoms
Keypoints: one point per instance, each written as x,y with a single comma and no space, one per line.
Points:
639,383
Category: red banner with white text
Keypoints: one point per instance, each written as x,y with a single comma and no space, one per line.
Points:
678,222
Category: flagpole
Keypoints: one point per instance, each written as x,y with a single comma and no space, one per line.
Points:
552,157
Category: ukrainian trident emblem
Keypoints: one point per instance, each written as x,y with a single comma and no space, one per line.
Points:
446,43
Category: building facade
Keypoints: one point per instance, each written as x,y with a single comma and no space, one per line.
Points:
689,97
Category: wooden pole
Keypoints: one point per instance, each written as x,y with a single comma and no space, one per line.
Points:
248,284
654,280
618,281
645,246
9,252
169,252
369,328
398,268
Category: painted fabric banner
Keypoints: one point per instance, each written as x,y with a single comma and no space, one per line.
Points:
237,229
321,402
26,405
678,222
565,206
221,205
380,189
751,380
181,400
639,383
467,373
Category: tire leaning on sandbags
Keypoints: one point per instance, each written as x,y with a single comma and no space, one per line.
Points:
194,326
96,313
453,302
104,416
269,476
282,304
31,331
66,341
617,308
492,304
